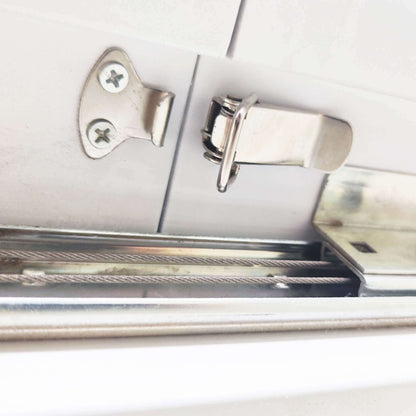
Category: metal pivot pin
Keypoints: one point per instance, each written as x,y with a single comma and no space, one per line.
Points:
116,106
244,131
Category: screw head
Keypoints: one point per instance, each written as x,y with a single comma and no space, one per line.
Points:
113,77
101,133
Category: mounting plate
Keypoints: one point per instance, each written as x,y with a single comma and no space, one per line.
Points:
368,219
116,106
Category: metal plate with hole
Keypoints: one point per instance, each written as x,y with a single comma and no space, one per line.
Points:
368,218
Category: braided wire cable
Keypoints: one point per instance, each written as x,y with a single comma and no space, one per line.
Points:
41,278
31,255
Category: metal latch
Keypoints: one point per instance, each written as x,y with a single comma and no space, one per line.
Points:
116,106
246,131
368,219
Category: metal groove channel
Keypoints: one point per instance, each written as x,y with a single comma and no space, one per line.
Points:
66,285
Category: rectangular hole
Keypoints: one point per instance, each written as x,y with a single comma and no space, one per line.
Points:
362,247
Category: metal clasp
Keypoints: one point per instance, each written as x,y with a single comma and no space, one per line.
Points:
241,131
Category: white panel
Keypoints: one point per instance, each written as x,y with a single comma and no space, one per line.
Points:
202,26
269,201
376,401
363,43
45,177
115,378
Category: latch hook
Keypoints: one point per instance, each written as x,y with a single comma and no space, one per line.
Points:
244,131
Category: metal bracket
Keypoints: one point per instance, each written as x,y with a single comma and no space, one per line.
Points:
368,219
244,131
116,106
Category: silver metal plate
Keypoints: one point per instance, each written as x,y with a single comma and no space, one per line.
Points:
116,106
369,219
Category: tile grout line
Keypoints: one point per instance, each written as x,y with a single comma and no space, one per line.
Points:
178,142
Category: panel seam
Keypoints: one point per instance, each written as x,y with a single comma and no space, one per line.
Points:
176,153
231,44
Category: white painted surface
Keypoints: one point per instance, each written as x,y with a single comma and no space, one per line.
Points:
374,401
46,179
364,43
270,201
113,377
201,26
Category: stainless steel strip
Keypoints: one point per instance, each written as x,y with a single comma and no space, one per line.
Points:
36,318
41,278
35,235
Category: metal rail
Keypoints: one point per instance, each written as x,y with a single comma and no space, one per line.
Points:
40,318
